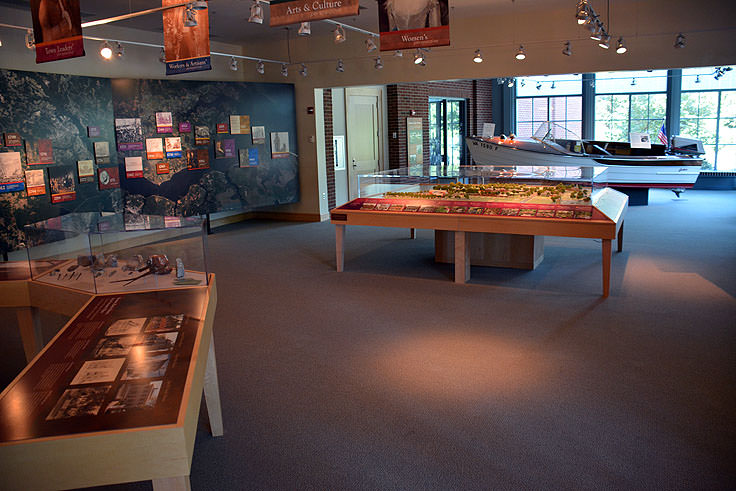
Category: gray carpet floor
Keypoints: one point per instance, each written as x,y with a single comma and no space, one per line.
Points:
390,376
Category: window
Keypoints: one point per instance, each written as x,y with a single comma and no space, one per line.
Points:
553,98
708,112
447,132
627,102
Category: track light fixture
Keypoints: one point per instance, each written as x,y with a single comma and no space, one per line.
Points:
303,70
418,57
633,81
567,51
398,54
680,41
539,85
582,11
233,64
162,56
106,50
256,13
721,71
521,54
339,34
190,16
305,29
284,70
260,67
379,63
511,82
597,33
340,66
119,50
370,45
553,85
478,57
605,39
621,47
697,79
522,83
30,39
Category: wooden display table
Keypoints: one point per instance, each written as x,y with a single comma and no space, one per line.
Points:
114,397
605,222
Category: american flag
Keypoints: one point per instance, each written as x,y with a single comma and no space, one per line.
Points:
662,135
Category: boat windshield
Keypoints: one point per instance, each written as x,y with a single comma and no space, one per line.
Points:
550,132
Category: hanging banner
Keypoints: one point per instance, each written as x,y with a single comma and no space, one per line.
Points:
57,29
187,48
413,24
285,12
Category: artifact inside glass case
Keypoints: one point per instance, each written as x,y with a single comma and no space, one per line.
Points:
101,254
524,191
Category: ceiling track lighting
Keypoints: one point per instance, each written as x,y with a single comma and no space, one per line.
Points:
721,71
339,34
379,63
303,70
398,54
199,5
597,33
697,79
511,82
633,81
522,83
582,11
260,67
233,64
418,57
190,17
539,85
340,66
162,56
119,50
30,39
256,13
370,46
605,40
521,54
680,41
305,29
284,70
478,57
620,46
553,85
106,50
567,51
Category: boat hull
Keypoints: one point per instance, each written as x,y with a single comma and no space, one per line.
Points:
671,172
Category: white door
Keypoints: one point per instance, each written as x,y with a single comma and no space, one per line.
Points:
363,108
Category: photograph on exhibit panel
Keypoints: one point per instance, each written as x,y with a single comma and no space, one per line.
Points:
126,326
85,401
143,364
135,395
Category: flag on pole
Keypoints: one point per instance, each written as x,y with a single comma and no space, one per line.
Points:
662,134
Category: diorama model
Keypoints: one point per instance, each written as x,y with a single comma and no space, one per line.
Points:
675,167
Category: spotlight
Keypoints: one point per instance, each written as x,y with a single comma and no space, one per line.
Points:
303,71
398,54
30,40
199,5
697,79
511,82
553,86
1,43
379,63
522,83
620,46
582,12
478,58
605,38
539,85
305,29
256,13
233,64
597,33
521,54
501,81
190,17
370,45
106,50
418,57
339,34
680,41
284,70
633,81
162,56
260,67
340,66
119,50
567,51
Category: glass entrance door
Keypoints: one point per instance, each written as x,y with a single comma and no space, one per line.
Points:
447,133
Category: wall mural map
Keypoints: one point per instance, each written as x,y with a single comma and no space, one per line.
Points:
60,108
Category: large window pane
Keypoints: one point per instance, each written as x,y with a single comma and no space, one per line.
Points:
726,158
620,107
727,131
639,106
603,107
539,109
657,106
709,159
689,105
728,104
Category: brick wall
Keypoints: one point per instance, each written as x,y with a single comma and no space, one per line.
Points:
404,98
329,148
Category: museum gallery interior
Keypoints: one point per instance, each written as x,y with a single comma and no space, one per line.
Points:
360,244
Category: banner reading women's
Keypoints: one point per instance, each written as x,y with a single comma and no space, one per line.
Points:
57,29
187,48
285,12
407,24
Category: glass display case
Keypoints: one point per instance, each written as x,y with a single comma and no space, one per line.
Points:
521,191
102,253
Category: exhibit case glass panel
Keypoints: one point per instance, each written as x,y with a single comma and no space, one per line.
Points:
102,253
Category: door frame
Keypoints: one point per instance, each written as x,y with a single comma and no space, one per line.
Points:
373,91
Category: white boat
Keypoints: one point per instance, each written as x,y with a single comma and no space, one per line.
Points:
675,168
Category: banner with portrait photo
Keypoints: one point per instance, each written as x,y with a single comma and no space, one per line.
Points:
57,29
408,24
187,48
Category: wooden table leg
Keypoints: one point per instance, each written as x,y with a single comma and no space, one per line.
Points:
606,243
340,247
30,331
212,393
621,238
179,483
462,257
412,233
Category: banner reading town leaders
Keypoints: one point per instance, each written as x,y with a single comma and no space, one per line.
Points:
407,24
57,29
284,12
187,48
